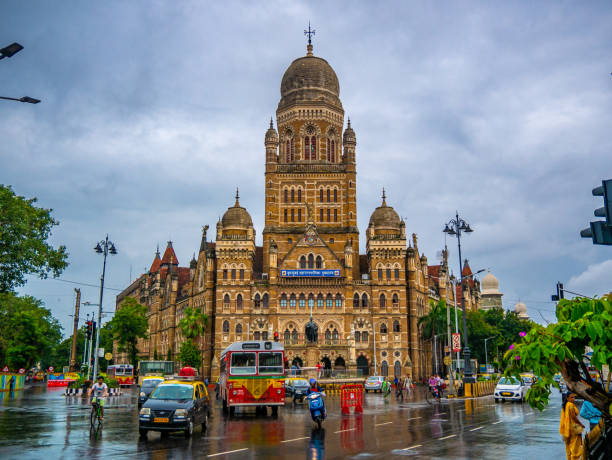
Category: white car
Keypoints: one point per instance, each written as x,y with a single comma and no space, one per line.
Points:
374,383
511,389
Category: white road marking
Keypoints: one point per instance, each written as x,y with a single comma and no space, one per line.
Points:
296,439
413,447
478,428
228,452
495,423
386,423
414,418
447,437
344,431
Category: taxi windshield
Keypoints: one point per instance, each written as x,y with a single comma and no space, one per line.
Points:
173,392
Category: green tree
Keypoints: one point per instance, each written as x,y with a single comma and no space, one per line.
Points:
24,230
561,348
28,331
190,354
193,324
128,325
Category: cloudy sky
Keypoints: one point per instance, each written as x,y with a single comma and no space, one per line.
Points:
154,111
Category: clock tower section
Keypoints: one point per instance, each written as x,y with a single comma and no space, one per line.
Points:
310,167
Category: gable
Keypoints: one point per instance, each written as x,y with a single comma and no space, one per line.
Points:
310,244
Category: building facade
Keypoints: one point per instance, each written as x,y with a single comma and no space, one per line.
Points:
309,268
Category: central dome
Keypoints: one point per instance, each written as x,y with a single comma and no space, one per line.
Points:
385,217
309,79
489,284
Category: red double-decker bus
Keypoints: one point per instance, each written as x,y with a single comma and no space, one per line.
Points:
252,374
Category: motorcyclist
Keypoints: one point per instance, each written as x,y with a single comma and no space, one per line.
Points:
314,387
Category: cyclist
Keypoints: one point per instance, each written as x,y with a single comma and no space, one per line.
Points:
100,391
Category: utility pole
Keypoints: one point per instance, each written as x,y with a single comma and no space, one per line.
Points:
73,356
451,377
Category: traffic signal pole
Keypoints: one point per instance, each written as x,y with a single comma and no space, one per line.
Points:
73,351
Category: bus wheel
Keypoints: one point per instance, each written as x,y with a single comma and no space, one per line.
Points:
274,411
232,411
224,406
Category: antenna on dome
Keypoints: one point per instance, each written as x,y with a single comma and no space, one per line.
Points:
309,33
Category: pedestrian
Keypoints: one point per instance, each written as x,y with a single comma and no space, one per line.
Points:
395,381
318,370
399,391
386,388
407,386
570,428
590,413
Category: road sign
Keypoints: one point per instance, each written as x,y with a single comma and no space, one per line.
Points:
108,356
5,369
100,352
447,360
456,342
22,370
50,368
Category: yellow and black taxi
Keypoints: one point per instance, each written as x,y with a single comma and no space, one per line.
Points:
149,384
175,405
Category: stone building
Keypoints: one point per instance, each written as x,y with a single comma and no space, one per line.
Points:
490,295
310,262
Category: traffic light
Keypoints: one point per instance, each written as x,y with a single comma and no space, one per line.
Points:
560,293
276,336
601,231
89,329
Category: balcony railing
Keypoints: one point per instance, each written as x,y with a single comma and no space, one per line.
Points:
321,342
311,168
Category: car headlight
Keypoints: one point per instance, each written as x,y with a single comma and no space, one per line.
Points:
142,394
145,411
180,413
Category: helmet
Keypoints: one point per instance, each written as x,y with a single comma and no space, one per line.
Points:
313,381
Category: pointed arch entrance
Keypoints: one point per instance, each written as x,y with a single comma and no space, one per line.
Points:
363,367
339,363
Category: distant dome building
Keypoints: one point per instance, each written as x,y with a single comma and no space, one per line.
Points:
521,310
490,295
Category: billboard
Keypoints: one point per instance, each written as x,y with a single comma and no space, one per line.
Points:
309,273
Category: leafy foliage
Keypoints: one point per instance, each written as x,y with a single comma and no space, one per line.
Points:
128,325
560,348
193,323
190,354
24,230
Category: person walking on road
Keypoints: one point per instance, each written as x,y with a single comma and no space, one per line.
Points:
590,413
399,390
570,428
407,386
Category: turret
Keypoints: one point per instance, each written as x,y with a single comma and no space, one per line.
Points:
350,141
271,142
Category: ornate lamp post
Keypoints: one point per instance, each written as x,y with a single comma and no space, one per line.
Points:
103,247
454,228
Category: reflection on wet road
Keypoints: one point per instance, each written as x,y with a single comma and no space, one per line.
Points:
42,423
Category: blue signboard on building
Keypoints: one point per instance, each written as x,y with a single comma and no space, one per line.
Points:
310,273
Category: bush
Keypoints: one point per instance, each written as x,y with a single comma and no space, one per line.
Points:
111,383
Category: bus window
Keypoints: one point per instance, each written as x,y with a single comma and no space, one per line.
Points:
242,363
271,363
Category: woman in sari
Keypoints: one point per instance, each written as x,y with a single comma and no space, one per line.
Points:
571,428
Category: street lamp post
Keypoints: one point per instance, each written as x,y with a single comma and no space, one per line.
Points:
10,50
486,354
454,228
103,247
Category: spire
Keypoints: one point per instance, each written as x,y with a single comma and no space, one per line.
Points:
384,197
156,262
169,257
349,123
271,123
309,33
237,198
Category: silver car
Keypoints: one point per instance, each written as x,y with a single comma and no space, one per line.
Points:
374,383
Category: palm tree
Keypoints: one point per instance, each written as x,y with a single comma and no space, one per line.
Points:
434,322
193,324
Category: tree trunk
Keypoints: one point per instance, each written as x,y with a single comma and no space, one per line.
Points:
594,393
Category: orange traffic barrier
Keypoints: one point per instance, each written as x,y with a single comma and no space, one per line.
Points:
351,396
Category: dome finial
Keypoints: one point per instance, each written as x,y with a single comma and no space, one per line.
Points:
309,33
384,198
237,197
271,123
349,122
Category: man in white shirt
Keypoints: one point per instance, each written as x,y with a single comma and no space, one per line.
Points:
99,391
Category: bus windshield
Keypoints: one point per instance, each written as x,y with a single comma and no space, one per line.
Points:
271,363
242,363
156,367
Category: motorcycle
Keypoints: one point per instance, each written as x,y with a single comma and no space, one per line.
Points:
316,404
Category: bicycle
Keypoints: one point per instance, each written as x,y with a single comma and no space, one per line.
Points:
95,418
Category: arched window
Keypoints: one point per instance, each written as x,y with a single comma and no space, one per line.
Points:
364,301
226,300
283,301
257,301
384,369
383,328
292,195
335,334
286,195
313,148
320,301
292,301
302,301
321,215
357,336
338,301
335,215
335,195
290,150
293,215
396,274
225,273
307,148
241,274
226,326
328,335
238,328
382,301
388,273
233,273
310,300
380,274
303,262
264,335
328,195
310,261
256,335
396,326
287,336
329,301
300,215
239,301
356,301
321,194
266,301
299,195
294,336
285,213
328,214
364,336
395,300
319,262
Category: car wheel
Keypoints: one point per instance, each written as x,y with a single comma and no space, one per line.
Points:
274,411
143,433
189,429
224,406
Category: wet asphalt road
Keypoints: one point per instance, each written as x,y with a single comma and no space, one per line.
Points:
41,423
